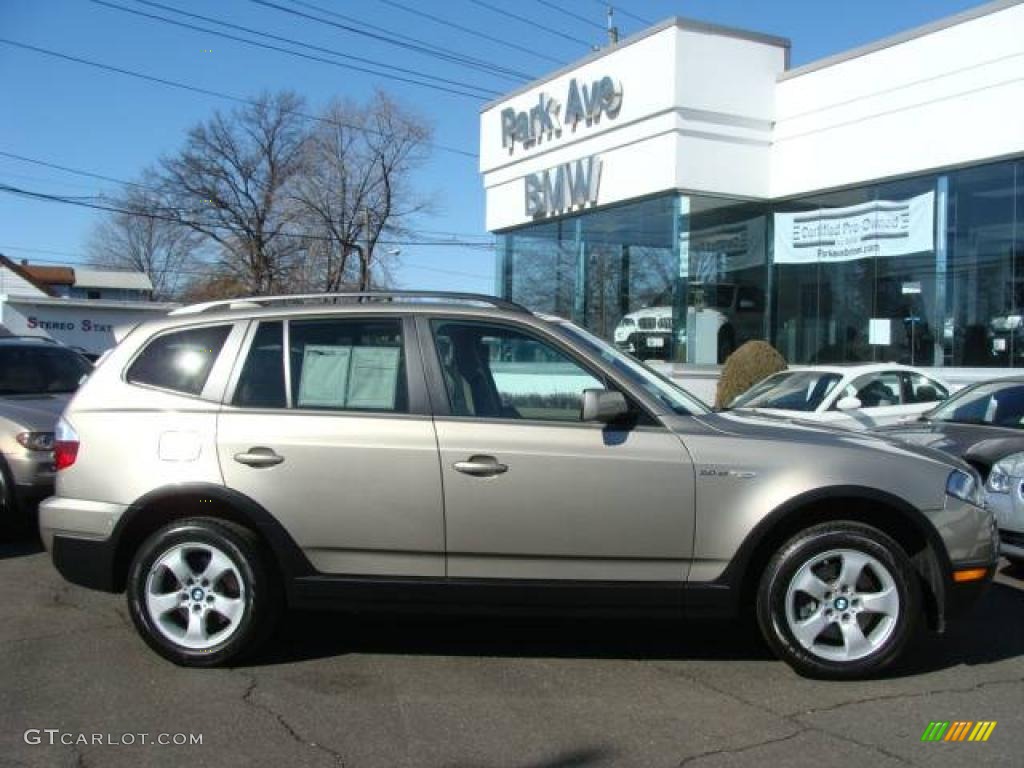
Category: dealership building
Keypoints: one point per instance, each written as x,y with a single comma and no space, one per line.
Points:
685,190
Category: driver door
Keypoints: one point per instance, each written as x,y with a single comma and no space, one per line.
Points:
531,491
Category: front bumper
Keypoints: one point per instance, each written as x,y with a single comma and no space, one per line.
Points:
1009,513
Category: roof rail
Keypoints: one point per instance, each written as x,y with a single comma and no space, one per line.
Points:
251,302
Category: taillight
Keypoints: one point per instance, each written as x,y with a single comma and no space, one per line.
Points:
65,445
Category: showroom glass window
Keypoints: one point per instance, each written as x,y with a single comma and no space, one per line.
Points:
855,275
985,285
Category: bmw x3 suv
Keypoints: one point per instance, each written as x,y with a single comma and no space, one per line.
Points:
457,452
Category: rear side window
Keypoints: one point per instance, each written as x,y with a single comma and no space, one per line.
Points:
180,361
261,384
351,365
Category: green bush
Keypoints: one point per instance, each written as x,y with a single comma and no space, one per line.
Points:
745,367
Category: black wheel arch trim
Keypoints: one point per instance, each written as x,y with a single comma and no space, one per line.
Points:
934,566
289,558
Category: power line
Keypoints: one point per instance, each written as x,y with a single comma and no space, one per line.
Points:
208,92
82,259
114,179
44,196
393,38
267,46
570,14
471,31
526,20
625,13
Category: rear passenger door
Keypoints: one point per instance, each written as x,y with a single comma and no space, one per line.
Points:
335,440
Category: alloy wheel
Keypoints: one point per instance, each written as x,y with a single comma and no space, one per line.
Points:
842,605
195,595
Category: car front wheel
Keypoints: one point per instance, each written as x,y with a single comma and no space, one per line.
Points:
839,600
200,592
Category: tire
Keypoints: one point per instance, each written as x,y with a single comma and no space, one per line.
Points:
11,521
229,615
819,629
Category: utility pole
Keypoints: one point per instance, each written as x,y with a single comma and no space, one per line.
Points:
613,31
364,268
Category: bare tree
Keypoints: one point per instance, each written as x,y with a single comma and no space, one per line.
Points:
229,183
139,237
355,189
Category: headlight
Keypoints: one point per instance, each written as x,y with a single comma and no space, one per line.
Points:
1001,478
965,486
35,441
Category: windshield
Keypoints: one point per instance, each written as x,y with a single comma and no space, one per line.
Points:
31,370
995,403
672,396
790,391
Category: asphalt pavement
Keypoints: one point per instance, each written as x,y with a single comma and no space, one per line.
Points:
78,687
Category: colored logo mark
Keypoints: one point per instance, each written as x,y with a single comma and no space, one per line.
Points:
958,730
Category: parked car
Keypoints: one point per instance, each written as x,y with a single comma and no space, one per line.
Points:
856,396
37,377
390,451
984,425
646,333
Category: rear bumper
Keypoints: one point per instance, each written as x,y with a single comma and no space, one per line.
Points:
85,562
78,535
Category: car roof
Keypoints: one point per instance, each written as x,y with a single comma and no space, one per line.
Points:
858,369
28,341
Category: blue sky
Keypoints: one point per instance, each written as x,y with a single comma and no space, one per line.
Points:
77,116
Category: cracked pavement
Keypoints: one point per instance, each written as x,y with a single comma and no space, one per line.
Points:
336,690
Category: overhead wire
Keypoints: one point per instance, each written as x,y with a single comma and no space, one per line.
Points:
392,38
209,92
48,197
452,86
526,20
470,31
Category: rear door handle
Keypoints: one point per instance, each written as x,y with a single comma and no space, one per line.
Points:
480,466
259,457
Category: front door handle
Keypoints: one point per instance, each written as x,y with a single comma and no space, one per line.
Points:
480,466
259,457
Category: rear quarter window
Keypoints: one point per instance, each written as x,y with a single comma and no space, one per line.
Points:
180,361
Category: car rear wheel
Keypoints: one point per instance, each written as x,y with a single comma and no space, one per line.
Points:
201,593
839,600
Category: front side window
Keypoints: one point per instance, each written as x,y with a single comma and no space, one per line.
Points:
493,371
180,361
352,365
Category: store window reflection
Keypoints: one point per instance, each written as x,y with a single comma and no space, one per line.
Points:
855,275
986,271
722,244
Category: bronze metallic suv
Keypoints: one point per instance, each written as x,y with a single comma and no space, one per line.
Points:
439,451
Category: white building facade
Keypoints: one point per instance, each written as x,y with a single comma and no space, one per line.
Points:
684,191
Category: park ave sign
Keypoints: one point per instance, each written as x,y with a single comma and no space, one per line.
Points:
584,103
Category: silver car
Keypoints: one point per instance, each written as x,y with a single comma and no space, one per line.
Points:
37,377
457,452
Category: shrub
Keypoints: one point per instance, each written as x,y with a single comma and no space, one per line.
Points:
745,367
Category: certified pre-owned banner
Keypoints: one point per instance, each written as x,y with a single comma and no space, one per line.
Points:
878,228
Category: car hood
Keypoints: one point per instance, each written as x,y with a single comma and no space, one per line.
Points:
980,444
768,426
34,412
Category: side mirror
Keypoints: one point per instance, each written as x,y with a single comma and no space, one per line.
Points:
603,405
848,403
